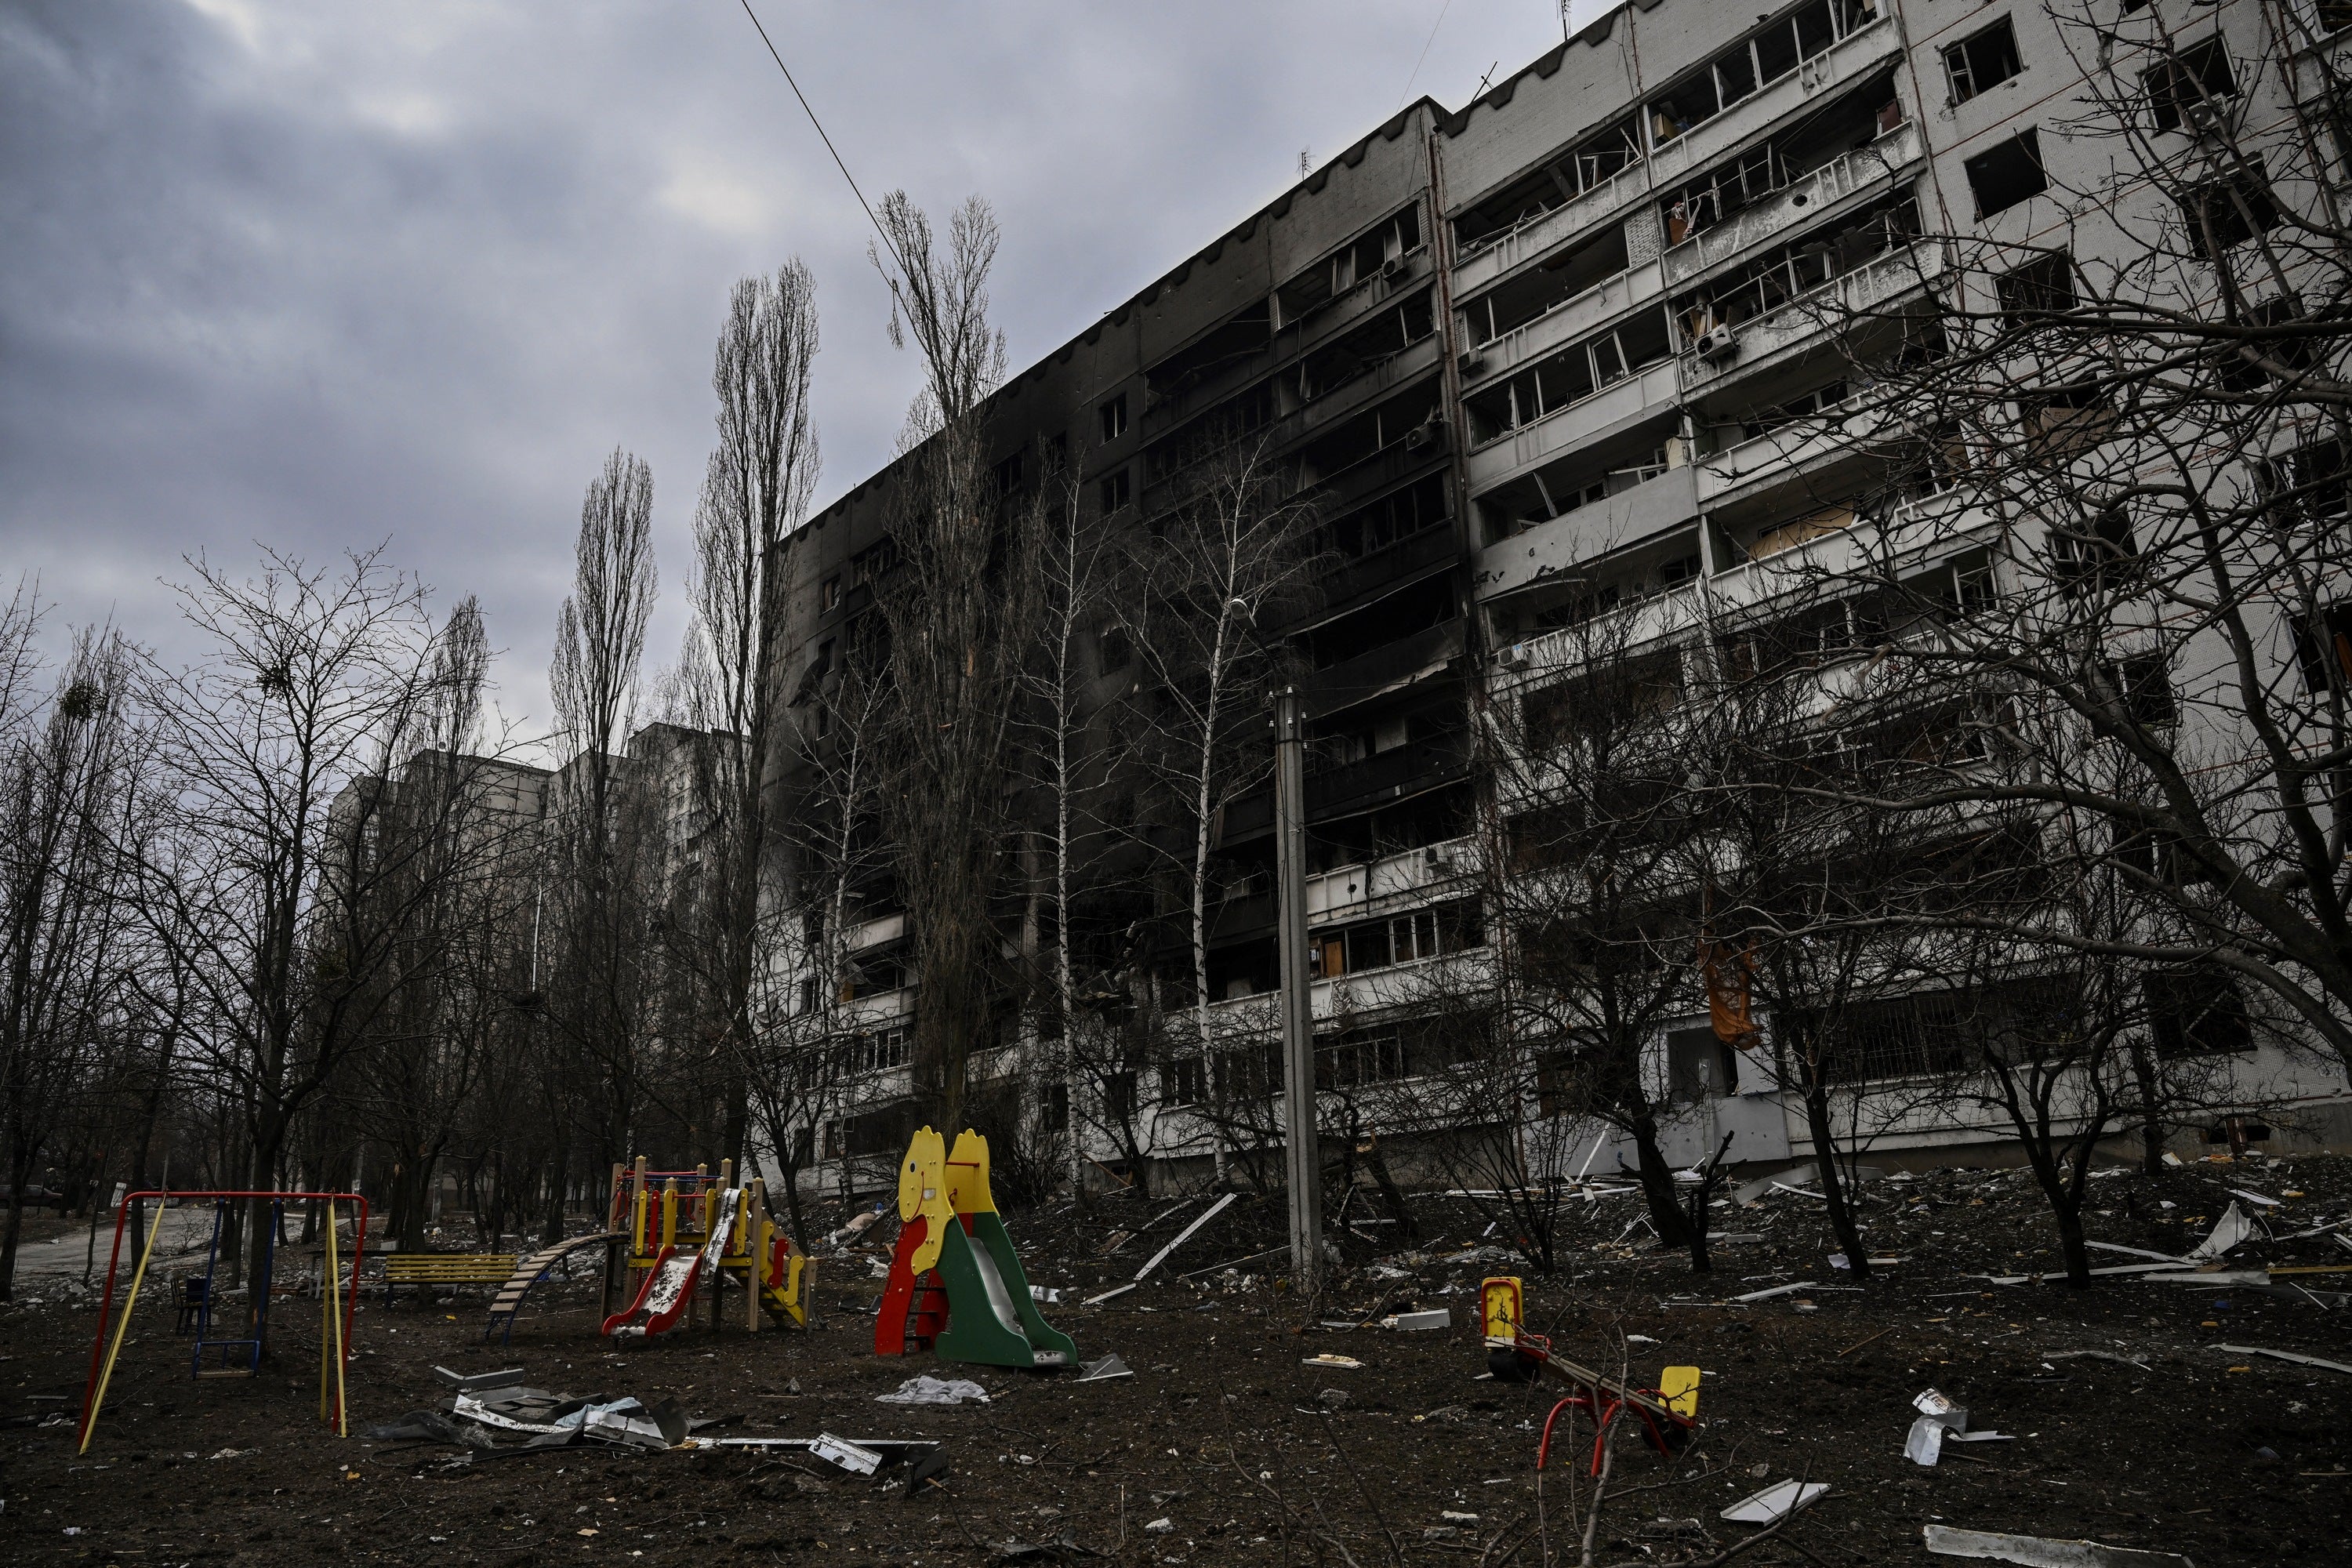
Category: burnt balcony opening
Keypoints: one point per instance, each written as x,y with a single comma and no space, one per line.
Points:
1413,608
1571,375
1390,331
1380,250
1239,337
1411,417
1544,289
1756,62
1404,513
1609,582
1765,168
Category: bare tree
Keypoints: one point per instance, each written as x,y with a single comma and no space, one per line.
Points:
755,494
68,795
961,612
597,1006
264,747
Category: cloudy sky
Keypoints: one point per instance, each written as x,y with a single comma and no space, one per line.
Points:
327,273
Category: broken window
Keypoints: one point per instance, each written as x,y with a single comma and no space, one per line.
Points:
2229,211
2186,88
1756,62
1981,62
1805,264
828,594
1570,376
2197,1011
2144,684
2308,484
1723,190
1116,489
2043,286
1114,417
2323,647
1699,1066
2093,556
2009,173
1540,290
1379,251
1184,1082
2065,421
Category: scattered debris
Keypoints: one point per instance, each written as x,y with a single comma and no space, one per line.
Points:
1328,1359
1040,1293
1937,1416
1159,1527
2037,1551
925,1389
1115,1291
1184,1235
1441,1318
2294,1356
2120,1359
2231,1228
855,1457
1767,1293
480,1382
1332,1398
1776,1501
1102,1371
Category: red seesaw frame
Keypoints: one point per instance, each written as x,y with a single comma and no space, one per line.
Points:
335,1307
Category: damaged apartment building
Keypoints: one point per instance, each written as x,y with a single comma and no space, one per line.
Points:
1533,361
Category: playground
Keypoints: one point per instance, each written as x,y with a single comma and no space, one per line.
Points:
1250,1431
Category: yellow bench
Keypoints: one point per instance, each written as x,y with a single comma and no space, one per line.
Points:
427,1269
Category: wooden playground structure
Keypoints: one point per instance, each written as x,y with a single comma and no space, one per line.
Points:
666,1240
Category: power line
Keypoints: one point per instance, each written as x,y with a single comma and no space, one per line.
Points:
828,140
1424,53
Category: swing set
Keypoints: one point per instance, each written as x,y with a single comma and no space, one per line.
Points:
239,1356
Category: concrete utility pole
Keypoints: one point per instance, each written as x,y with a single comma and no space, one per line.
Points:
1303,1158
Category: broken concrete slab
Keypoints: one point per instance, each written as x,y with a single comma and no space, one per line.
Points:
2040,1551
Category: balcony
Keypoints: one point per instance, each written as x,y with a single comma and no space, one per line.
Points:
1567,321
1360,481
1850,174
1397,773
1383,569
1622,403
1354,892
1526,559
1499,255
1387,668
1845,63
1344,311
1407,364
1815,318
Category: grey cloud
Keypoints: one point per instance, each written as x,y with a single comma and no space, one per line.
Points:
328,272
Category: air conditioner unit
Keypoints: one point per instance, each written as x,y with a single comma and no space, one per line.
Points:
1437,857
1426,433
2201,114
1392,268
1718,343
1473,363
1515,657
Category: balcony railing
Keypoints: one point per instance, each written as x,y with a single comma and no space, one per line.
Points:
1623,400
1799,202
1812,317
1563,323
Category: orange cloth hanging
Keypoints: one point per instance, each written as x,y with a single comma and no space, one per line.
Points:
1730,1007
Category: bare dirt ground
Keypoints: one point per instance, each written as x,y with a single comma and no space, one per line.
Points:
1248,1454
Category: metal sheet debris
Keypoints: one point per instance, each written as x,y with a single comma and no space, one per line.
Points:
855,1457
2231,1228
2040,1551
1328,1359
1102,1371
1107,1295
1938,1416
480,1381
925,1389
1776,1501
2294,1356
